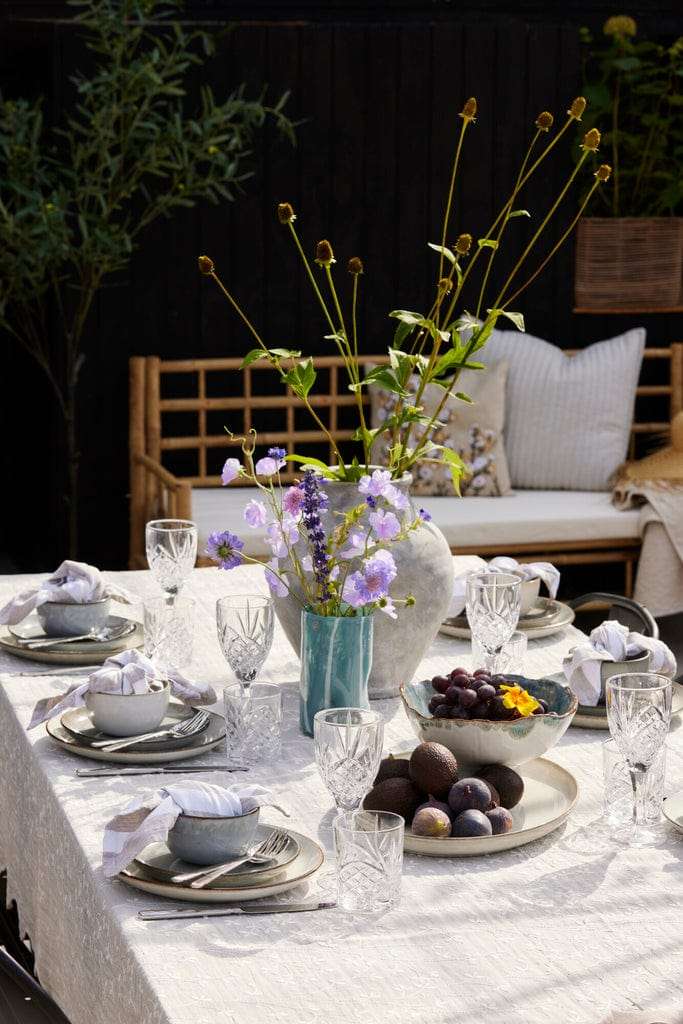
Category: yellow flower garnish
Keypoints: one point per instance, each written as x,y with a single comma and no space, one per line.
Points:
516,697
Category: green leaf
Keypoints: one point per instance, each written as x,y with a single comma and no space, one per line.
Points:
487,243
518,213
463,397
305,460
285,353
457,467
403,330
467,322
301,378
385,377
252,357
406,317
516,318
443,250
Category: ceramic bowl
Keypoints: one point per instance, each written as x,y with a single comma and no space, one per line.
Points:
476,742
200,840
129,714
529,592
61,618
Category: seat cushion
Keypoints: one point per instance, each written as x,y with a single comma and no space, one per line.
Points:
524,517
567,418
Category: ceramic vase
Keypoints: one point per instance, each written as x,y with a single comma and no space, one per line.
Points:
336,655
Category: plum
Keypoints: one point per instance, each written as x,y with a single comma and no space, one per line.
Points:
471,823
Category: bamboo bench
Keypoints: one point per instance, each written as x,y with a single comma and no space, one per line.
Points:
179,408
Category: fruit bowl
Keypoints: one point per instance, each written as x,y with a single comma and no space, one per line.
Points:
478,742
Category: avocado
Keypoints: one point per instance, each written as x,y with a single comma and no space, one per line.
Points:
393,768
433,769
399,796
508,783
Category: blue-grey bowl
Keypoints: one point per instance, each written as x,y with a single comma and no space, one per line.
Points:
203,840
477,742
66,618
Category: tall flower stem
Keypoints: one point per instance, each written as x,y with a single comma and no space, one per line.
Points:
449,201
351,358
615,145
311,277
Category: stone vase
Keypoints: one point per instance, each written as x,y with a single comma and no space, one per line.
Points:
425,570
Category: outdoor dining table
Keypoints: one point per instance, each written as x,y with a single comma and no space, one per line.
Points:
572,928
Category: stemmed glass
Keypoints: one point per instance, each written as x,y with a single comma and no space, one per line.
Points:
348,750
245,632
171,552
639,714
493,601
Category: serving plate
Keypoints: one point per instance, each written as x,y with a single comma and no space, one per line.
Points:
200,744
587,717
550,793
672,809
548,617
79,652
78,722
304,866
160,864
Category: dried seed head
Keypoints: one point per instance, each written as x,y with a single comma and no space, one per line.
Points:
445,285
205,264
603,172
285,213
324,256
577,108
544,121
591,140
469,111
463,244
620,25
355,266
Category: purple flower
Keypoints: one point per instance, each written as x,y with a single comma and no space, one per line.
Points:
274,581
223,548
374,486
424,515
314,504
396,498
387,606
271,463
278,454
355,545
385,524
231,469
282,537
372,582
292,501
255,514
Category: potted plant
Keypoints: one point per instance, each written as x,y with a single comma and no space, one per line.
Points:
629,252
429,350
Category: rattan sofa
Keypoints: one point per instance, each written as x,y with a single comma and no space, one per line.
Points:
178,410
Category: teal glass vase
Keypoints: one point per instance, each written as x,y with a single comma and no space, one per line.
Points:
336,658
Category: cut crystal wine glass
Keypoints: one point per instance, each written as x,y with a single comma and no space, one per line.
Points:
493,601
245,632
639,714
171,552
348,750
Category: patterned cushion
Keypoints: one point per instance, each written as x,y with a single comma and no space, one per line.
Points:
474,431
568,418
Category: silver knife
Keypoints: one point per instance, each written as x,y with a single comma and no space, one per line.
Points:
232,911
160,769
70,670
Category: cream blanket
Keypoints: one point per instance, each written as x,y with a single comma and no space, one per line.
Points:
659,580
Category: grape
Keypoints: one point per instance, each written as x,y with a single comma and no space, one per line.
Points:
435,701
442,711
486,691
452,695
459,672
468,698
481,673
459,679
544,705
458,713
474,683
440,683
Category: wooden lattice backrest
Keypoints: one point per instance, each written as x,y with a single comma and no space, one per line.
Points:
185,405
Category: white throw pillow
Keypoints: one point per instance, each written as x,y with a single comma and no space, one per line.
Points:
567,418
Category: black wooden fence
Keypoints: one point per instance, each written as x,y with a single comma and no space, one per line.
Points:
378,96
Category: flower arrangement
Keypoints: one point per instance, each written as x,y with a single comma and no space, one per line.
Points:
341,567
435,347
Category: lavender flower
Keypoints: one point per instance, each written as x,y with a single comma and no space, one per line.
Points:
231,469
385,525
314,504
255,514
223,548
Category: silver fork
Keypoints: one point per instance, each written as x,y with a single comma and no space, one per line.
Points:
188,727
266,851
95,634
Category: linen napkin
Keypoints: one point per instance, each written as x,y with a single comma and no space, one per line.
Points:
546,572
73,583
148,819
611,641
128,672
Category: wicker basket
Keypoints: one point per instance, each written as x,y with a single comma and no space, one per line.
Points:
628,262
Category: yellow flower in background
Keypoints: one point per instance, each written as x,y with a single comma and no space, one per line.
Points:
516,697
620,25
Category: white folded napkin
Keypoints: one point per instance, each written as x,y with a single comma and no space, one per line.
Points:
128,672
546,572
148,819
611,641
73,583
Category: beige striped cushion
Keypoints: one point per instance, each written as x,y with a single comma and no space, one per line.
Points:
567,418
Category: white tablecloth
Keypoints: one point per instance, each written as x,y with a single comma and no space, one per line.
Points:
572,929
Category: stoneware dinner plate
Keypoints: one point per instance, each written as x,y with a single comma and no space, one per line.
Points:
673,810
162,865
80,652
78,722
550,793
548,617
308,862
203,741
587,717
